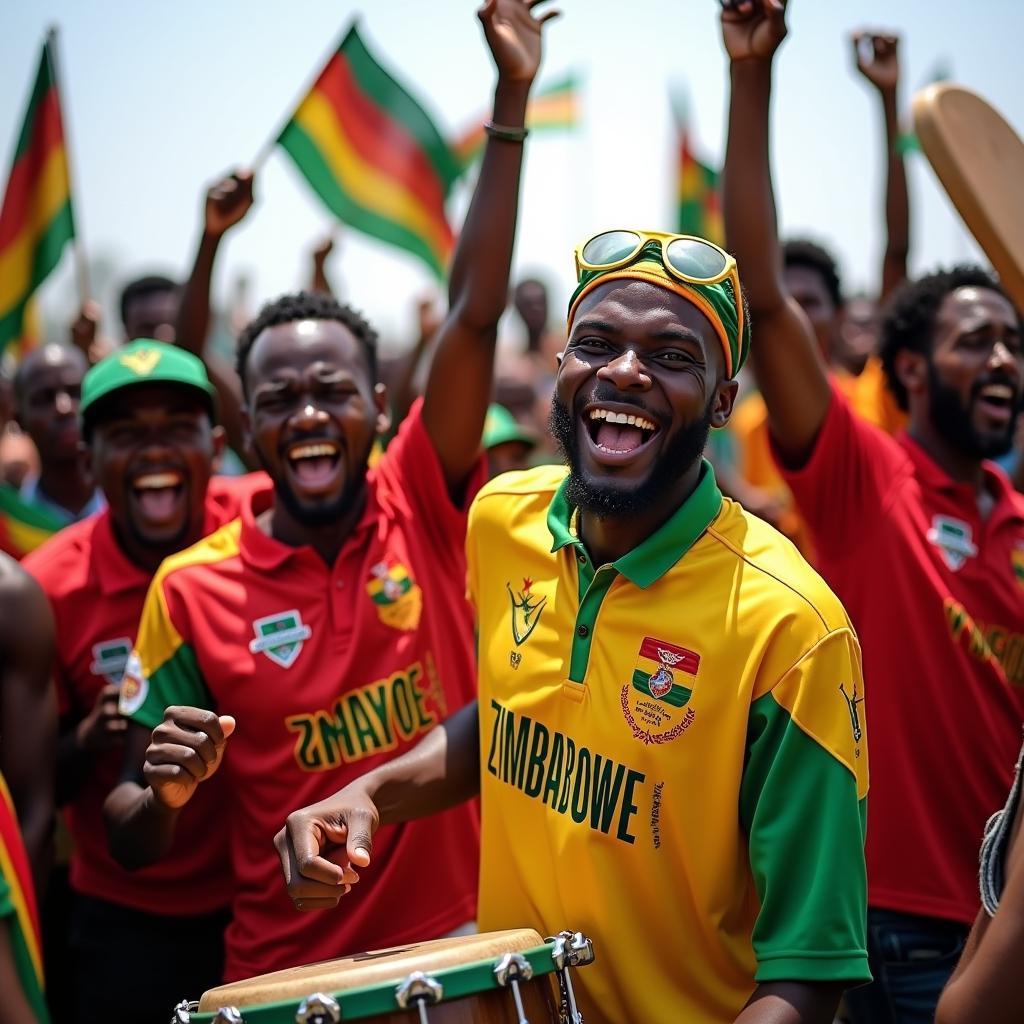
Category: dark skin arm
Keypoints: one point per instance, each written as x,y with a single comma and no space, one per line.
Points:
877,58
789,367
227,202
442,770
987,984
403,392
28,712
318,280
142,810
459,387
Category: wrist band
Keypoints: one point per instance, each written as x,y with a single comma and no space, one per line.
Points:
505,132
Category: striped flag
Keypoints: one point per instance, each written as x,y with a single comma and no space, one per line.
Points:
698,185
36,219
23,526
18,906
554,108
372,154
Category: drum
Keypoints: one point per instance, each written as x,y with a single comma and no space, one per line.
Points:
508,977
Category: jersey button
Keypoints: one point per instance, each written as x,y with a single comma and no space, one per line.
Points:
582,631
582,558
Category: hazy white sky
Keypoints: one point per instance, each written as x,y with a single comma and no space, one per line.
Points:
162,98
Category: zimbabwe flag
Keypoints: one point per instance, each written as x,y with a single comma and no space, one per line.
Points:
372,154
35,219
554,108
18,907
23,527
700,203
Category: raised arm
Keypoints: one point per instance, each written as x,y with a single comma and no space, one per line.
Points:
877,57
28,713
789,368
442,770
459,387
227,202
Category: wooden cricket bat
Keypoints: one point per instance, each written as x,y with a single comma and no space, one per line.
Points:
979,159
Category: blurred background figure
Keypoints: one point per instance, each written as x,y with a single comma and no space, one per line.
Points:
508,444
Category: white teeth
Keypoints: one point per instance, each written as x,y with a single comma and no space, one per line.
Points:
157,481
312,451
997,391
623,418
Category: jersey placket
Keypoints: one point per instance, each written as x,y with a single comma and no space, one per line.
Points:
593,586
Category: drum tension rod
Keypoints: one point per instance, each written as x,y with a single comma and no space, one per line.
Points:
184,1010
419,989
570,949
510,970
318,1008
229,1015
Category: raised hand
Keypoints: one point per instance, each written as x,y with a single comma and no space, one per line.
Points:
228,202
877,58
753,29
186,749
342,826
514,36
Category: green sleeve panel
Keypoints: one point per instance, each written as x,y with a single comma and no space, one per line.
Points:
805,827
27,974
177,681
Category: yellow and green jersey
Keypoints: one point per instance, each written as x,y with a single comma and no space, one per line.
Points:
673,756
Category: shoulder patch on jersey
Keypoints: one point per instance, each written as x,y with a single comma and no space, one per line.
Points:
280,637
134,686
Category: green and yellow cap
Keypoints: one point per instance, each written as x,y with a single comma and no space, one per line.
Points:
145,362
501,427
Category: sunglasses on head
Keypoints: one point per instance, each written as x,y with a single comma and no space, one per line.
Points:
686,257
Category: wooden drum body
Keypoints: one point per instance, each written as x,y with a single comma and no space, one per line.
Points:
507,977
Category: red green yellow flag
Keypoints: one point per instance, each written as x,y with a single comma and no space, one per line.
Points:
23,526
18,907
36,219
554,108
373,155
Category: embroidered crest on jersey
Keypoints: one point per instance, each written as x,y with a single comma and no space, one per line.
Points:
953,538
1017,562
853,703
397,597
134,686
280,637
526,610
142,361
652,704
109,658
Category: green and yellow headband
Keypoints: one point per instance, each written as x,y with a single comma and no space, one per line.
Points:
658,260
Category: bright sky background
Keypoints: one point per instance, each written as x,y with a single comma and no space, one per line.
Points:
160,99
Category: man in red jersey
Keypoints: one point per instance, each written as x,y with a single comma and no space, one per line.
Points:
148,423
919,536
334,626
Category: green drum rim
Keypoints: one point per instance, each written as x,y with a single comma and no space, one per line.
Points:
358,1003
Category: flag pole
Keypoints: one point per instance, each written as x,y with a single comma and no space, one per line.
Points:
81,267
267,148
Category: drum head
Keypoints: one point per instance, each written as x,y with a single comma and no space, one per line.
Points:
382,967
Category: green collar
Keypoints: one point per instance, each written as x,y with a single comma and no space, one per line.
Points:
649,561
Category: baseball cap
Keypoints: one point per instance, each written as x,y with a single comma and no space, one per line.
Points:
501,427
145,361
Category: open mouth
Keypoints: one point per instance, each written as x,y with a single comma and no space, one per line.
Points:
998,401
158,495
314,464
618,433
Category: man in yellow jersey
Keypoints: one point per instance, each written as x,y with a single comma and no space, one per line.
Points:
668,741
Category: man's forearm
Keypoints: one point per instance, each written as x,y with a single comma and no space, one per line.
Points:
442,770
194,313
792,1002
140,830
748,197
897,201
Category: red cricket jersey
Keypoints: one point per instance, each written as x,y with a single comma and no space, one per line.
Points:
937,597
329,671
97,596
